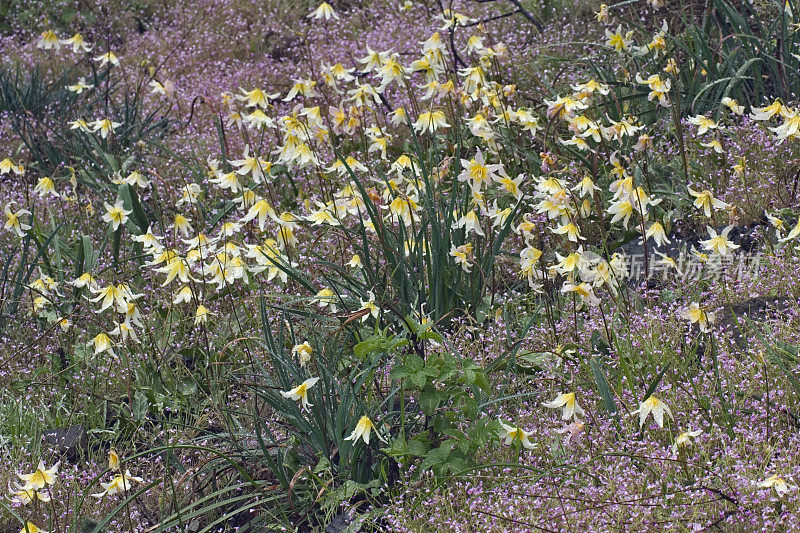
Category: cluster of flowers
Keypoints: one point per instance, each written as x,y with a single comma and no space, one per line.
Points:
37,486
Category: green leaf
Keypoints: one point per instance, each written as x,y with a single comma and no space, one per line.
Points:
602,385
346,492
323,466
437,456
130,201
378,342
227,208
414,362
482,382
652,388
117,244
418,379
469,376
418,447
531,360
188,387
140,405
400,371
429,400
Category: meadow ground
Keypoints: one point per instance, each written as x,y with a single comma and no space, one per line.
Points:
422,265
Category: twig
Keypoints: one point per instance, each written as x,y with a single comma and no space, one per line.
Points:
520,9
519,522
496,17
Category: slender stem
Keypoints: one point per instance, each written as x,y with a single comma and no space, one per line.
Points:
766,401
723,402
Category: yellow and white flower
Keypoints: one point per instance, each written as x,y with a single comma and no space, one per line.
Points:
30,527
566,402
48,41
303,352
776,482
697,315
41,477
324,11
705,200
78,43
300,393
107,58
120,483
363,430
719,244
116,214
13,222
513,434
684,439
655,406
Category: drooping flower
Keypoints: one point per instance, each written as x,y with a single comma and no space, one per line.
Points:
363,429
102,343
703,123
566,402
107,58
705,200
719,244
113,460
656,231
714,145
7,166
792,234
326,298
116,214
324,11
659,88
655,406
124,330
304,86
81,86
695,314
355,262
13,222
79,124
789,128
303,352
602,14
513,434
462,255
30,527
48,41
618,41
571,230
776,482
767,112
23,496
78,43
572,432
256,98
41,477
104,126
684,439
167,88
470,222
201,315
300,393
430,121
120,483
733,105
583,290
370,306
